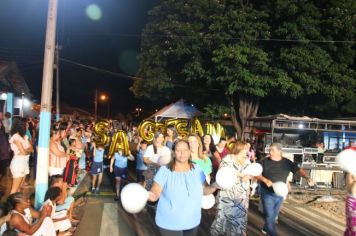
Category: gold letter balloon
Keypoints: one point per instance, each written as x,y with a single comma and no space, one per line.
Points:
119,141
147,128
101,136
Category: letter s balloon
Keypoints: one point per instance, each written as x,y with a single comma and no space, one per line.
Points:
100,134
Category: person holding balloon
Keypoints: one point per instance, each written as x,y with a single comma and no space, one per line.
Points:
119,169
231,217
201,160
273,185
347,161
350,203
154,154
179,186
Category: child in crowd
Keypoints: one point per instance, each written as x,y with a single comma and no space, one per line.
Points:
60,219
65,202
119,169
70,173
140,164
97,167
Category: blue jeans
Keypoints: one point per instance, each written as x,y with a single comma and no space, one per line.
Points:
271,205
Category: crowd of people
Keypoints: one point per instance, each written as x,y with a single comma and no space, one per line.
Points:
176,171
70,153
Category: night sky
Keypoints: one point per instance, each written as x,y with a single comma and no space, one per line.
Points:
110,43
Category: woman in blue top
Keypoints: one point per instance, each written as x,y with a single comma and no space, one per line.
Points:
179,187
119,169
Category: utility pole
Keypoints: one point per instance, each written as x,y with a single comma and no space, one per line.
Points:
58,47
46,103
96,104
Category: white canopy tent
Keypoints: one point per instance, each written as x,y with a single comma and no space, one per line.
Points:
176,110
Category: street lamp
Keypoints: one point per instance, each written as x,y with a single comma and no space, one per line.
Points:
103,98
138,110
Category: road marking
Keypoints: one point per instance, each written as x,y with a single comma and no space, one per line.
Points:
110,220
102,194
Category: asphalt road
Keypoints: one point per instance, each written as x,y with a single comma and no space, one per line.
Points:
104,216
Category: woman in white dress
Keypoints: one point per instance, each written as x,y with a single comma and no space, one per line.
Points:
22,148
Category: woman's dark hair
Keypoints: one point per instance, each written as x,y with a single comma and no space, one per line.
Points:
52,193
9,232
15,199
172,164
63,126
55,179
18,127
54,131
71,141
222,139
212,147
4,209
156,135
175,132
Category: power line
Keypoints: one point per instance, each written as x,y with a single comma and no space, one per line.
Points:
100,70
214,36
123,75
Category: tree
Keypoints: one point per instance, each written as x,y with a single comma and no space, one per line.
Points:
197,47
315,56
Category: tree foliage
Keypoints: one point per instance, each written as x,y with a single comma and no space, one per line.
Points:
238,53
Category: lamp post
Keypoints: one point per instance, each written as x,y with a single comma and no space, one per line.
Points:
138,110
103,97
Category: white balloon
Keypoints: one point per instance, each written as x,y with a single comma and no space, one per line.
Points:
347,160
253,169
280,189
164,159
134,198
226,177
208,201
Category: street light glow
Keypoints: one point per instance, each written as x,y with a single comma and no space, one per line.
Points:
3,96
26,102
103,97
